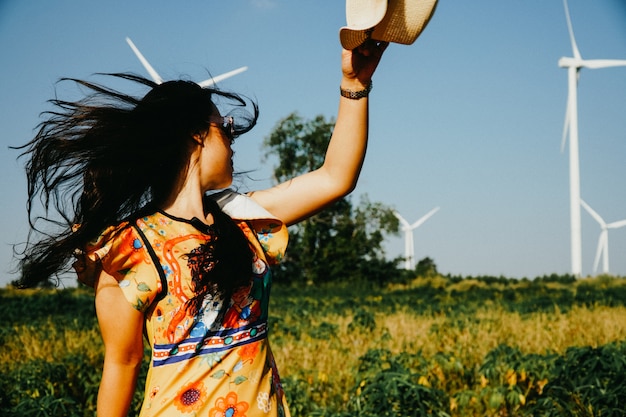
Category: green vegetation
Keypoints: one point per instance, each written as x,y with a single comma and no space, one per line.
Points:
433,345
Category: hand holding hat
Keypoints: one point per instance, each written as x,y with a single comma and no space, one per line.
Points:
359,64
399,21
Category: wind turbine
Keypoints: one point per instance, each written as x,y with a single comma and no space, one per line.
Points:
408,235
603,241
573,65
157,78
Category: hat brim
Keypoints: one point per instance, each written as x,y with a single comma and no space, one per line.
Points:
406,22
403,23
362,16
353,38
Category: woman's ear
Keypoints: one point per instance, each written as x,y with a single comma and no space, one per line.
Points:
199,137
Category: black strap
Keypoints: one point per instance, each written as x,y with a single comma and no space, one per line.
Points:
157,264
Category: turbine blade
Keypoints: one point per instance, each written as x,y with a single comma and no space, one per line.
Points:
599,251
153,74
211,81
603,63
405,224
571,31
605,259
593,213
568,107
571,106
616,225
419,222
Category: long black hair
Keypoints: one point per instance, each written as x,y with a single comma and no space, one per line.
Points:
98,161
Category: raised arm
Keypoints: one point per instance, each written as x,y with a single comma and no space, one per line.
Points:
303,196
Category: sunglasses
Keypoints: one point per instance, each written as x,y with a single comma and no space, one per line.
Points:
226,123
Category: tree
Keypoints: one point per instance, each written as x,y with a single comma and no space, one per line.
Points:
426,268
341,243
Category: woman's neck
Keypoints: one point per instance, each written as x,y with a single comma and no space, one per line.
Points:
187,202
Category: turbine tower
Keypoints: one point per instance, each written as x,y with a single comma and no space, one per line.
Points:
603,241
157,78
408,236
573,65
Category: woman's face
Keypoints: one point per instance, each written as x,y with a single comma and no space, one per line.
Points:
216,158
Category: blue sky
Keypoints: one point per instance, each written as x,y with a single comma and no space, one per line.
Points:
469,118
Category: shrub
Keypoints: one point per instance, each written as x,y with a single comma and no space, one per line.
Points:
362,320
395,385
586,381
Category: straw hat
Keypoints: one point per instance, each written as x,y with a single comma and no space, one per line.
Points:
399,21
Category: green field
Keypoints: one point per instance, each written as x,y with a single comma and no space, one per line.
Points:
443,346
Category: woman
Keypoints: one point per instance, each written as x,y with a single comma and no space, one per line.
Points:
170,261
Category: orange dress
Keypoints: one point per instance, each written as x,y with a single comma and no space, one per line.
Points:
209,364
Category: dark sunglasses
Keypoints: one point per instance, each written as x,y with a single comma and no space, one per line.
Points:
226,123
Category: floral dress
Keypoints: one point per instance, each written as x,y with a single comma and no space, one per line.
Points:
218,362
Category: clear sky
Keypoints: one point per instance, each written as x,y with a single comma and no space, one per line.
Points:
469,118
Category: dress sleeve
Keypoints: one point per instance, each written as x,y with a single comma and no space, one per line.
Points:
269,231
121,253
273,237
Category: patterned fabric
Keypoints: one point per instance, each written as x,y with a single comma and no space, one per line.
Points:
210,364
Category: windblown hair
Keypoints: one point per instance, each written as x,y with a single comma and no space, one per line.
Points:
221,266
102,159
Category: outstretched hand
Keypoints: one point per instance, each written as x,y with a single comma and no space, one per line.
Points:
360,63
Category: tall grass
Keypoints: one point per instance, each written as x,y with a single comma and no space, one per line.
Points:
436,345
331,358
